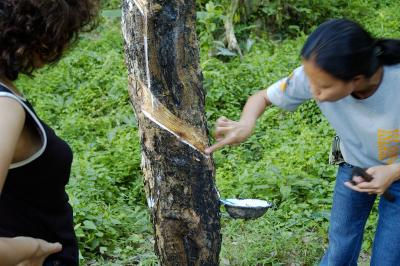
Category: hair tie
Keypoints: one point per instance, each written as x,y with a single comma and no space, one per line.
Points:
378,51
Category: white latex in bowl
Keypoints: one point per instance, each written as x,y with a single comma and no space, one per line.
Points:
249,203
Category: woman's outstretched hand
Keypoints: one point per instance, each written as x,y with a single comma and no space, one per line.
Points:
229,132
384,176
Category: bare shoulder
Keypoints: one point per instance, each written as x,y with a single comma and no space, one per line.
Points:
11,112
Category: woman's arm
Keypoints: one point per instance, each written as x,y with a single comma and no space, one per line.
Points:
228,132
287,93
12,119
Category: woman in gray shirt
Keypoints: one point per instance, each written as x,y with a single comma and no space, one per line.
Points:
355,80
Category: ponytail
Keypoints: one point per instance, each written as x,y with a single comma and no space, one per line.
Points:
388,51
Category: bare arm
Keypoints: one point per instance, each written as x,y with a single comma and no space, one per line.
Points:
12,119
255,107
230,132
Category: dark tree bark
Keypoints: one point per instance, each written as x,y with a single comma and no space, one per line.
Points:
165,85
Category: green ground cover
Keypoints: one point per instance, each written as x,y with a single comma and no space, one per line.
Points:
84,98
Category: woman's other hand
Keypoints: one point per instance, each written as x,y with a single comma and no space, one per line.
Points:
384,176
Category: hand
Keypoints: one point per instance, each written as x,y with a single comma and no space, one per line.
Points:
384,176
228,132
42,251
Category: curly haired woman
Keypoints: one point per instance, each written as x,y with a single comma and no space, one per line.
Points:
34,162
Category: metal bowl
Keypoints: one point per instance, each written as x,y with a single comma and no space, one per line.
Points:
246,208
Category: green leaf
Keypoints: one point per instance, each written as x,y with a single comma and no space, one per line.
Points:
285,191
89,225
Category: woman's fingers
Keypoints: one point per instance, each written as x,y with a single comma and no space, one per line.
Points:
224,127
223,122
357,187
223,118
219,144
228,132
50,248
358,179
46,248
368,187
222,131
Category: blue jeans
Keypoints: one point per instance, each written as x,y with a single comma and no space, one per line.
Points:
349,214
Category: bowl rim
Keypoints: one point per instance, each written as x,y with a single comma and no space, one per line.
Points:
227,202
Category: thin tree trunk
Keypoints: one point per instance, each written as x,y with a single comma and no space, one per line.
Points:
230,36
165,85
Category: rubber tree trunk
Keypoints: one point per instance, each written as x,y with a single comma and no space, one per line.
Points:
165,85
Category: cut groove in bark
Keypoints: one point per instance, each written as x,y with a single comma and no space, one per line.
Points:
168,121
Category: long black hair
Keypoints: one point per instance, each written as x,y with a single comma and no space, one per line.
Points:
345,50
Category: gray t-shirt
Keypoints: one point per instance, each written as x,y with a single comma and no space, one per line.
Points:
369,129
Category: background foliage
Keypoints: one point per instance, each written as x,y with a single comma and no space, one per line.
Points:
84,97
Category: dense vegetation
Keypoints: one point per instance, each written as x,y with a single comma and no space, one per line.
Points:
84,97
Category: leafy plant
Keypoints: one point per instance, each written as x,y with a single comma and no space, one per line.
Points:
277,19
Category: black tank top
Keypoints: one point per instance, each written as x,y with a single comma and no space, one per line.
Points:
33,201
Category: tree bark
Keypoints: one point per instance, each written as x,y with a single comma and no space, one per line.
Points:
165,86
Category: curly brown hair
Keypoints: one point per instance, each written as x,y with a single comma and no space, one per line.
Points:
33,31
